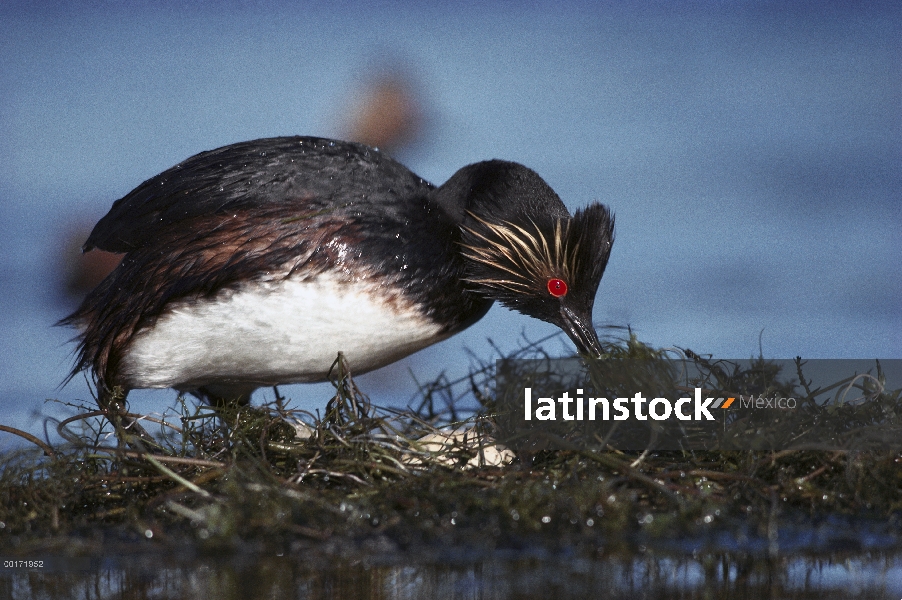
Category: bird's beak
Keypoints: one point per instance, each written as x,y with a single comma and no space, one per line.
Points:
581,331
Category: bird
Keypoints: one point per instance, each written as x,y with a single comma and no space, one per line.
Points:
255,264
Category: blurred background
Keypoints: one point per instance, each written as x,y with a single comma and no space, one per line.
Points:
752,153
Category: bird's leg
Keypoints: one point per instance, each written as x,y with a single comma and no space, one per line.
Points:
128,430
220,397
242,421
230,403
348,401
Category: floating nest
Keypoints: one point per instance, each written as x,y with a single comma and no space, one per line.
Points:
435,476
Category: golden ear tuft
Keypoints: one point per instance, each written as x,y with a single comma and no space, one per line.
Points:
520,258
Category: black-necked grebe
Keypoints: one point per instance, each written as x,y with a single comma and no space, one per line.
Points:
255,264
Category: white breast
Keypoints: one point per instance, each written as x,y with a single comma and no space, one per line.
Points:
269,333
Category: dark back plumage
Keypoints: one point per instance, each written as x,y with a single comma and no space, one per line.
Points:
268,209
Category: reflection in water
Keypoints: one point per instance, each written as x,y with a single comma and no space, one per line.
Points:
303,576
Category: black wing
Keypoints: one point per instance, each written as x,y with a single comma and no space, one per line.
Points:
292,173
264,208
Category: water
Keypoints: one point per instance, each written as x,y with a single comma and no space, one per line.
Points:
312,575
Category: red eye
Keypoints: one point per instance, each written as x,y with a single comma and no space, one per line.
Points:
557,287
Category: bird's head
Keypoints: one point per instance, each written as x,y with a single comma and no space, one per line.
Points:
543,265
522,247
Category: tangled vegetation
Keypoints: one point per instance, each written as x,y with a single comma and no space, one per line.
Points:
432,477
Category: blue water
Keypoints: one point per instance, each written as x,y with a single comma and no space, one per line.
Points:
752,153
